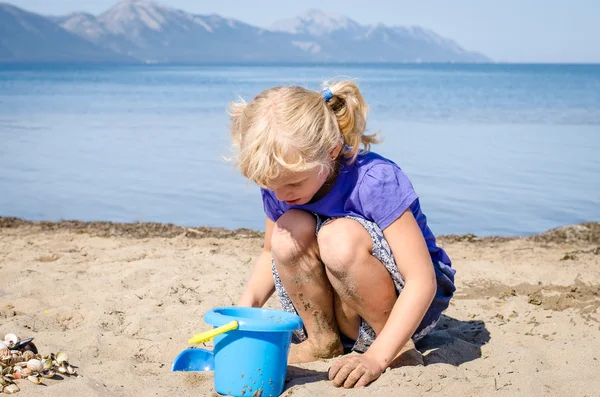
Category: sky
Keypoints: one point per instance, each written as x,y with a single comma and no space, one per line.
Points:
505,30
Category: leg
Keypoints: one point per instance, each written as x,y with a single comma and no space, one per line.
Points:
347,319
362,283
295,254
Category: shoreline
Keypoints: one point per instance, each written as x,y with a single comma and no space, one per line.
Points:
586,232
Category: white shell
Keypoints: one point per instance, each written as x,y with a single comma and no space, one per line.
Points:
35,365
11,340
61,357
34,379
11,389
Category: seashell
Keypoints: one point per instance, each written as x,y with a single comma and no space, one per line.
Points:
4,350
11,340
61,357
26,372
47,363
62,370
34,379
48,374
11,389
35,365
70,370
28,355
17,368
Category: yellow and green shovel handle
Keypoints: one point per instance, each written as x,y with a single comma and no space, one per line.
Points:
208,335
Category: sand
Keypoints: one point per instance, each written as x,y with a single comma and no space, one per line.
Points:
122,300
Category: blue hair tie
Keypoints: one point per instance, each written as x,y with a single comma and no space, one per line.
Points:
327,94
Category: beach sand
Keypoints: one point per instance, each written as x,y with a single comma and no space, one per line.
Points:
122,301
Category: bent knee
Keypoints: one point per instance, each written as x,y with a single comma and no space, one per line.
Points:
343,242
293,236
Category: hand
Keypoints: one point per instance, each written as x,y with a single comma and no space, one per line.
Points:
355,371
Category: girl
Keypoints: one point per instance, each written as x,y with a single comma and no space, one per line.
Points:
346,245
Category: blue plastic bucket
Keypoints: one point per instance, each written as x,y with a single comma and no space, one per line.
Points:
252,360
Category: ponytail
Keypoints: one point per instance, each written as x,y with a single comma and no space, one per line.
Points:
350,110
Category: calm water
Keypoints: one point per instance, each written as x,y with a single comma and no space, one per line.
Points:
491,149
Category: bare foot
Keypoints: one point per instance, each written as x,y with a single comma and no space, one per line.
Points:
409,356
308,351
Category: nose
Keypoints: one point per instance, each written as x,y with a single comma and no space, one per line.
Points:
283,194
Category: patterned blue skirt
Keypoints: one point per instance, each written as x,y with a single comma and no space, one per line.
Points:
383,252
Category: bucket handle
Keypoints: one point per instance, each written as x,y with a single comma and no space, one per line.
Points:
208,335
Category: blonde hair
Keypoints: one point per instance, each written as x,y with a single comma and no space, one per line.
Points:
293,129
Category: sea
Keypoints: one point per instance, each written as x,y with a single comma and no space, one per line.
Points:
491,149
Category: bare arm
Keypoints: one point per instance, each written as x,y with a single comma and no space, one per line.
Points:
260,285
414,263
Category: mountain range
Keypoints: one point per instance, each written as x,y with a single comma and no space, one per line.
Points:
144,31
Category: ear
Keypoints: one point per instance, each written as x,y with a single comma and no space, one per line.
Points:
335,152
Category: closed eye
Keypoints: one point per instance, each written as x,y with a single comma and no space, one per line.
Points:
296,184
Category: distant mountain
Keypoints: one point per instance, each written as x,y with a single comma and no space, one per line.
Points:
149,32
317,23
28,37
336,37
154,32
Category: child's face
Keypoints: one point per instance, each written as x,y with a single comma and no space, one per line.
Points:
299,187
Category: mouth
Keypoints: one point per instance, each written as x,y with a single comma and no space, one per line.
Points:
292,202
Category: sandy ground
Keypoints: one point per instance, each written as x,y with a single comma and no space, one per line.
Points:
122,301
